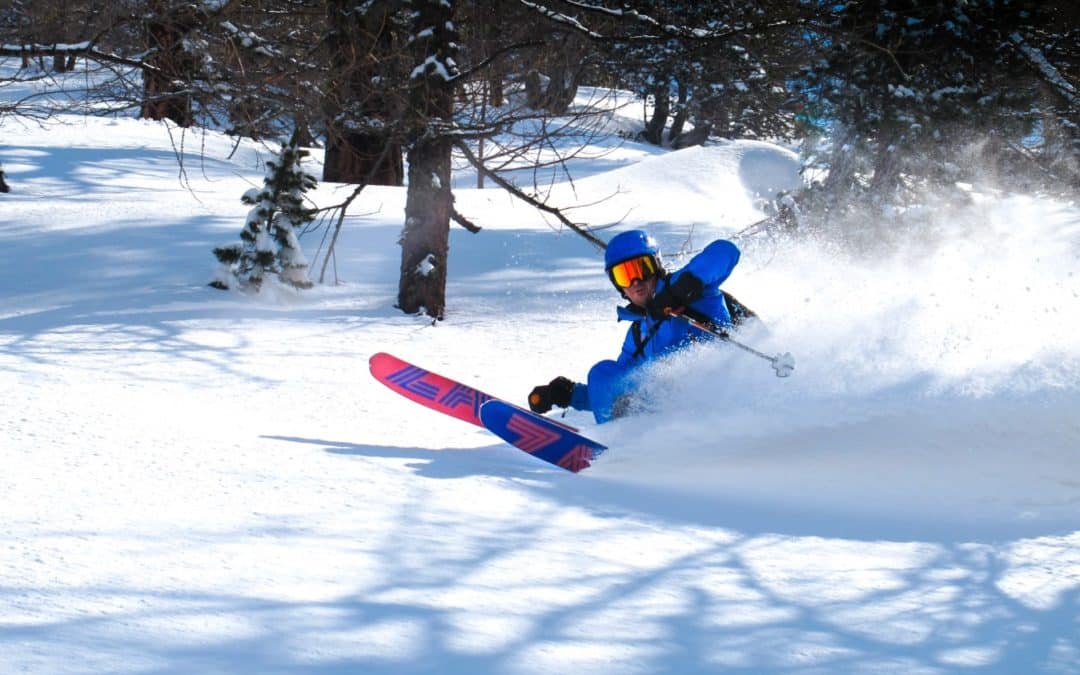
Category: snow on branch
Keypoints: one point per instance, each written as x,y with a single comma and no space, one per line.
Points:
85,49
250,40
437,67
633,14
662,31
1050,74
57,48
559,17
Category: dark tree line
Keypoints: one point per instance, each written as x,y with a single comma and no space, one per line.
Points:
889,97
921,96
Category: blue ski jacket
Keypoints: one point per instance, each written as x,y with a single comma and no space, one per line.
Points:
647,339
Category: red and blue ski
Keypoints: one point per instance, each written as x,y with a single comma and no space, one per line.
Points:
537,435
429,389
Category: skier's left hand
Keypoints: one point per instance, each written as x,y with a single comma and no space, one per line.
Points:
676,294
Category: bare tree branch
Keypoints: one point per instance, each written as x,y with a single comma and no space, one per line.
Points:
512,189
463,221
84,49
344,206
464,75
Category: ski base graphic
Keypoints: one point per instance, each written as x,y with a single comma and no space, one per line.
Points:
429,389
539,436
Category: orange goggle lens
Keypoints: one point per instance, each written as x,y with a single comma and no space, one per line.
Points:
642,267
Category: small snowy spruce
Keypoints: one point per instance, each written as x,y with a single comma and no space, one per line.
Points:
269,243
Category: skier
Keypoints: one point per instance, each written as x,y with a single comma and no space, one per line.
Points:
634,266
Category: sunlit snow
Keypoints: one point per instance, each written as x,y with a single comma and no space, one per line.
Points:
199,481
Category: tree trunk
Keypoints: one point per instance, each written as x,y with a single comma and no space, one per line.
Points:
682,113
495,94
361,46
696,136
552,94
842,163
535,90
886,178
562,87
354,158
302,129
164,95
654,129
425,239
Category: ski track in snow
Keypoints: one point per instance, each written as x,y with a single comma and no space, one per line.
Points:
202,482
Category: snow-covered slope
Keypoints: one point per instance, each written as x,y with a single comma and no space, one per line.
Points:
202,482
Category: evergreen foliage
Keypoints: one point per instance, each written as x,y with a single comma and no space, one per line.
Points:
914,97
721,67
269,243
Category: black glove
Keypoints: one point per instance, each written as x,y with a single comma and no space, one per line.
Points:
680,293
557,392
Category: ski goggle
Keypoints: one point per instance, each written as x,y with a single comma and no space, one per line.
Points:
623,273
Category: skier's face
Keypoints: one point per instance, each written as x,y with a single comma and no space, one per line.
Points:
640,291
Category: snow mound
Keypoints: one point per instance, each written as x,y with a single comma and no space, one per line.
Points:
723,186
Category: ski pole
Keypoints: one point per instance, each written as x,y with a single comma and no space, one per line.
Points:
783,364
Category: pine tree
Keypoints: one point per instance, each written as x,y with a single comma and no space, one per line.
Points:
722,67
269,243
920,97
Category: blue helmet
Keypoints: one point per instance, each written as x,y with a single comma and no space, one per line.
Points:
630,244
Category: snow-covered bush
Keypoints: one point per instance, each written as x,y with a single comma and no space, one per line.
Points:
269,243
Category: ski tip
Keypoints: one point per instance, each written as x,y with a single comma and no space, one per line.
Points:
380,357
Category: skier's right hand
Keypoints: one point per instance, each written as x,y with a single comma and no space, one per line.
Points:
676,295
557,392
